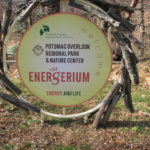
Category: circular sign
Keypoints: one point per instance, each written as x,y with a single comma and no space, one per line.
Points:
64,59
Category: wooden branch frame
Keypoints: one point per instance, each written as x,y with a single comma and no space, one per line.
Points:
122,87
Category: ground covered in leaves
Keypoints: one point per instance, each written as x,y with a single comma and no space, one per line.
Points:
21,130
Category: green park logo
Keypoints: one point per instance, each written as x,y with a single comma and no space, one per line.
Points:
44,30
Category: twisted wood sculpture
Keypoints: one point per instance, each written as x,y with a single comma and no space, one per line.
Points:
121,31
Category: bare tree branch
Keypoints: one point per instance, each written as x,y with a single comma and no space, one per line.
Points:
110,4
6,17
28,10
105,102
19,102
23,15
95,10
126,53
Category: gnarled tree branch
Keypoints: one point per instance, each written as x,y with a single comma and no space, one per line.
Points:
6,17
113,5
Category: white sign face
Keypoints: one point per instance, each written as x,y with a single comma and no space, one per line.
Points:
64,59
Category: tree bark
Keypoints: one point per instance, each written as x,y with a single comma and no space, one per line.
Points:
113,5
1,49
110,108
19,102
9,85
94,10
123,22
6,17
21,17
126,88
28,10
126,53
105,102
142,27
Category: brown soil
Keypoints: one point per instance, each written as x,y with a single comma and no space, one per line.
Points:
19,128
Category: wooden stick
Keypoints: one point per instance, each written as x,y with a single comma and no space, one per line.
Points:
128,97
109,96
110,108
6,17
105,102
126,88
28,10
114,5
130,64
123,22
133,39
19,18
132,54
1,49
99,115
19,102
123,78
9,85
94,10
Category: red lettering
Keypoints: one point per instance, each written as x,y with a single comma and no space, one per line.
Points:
68,76
37,76
56,78
78,77
31,77
63,77
48,74
86,77
43,77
